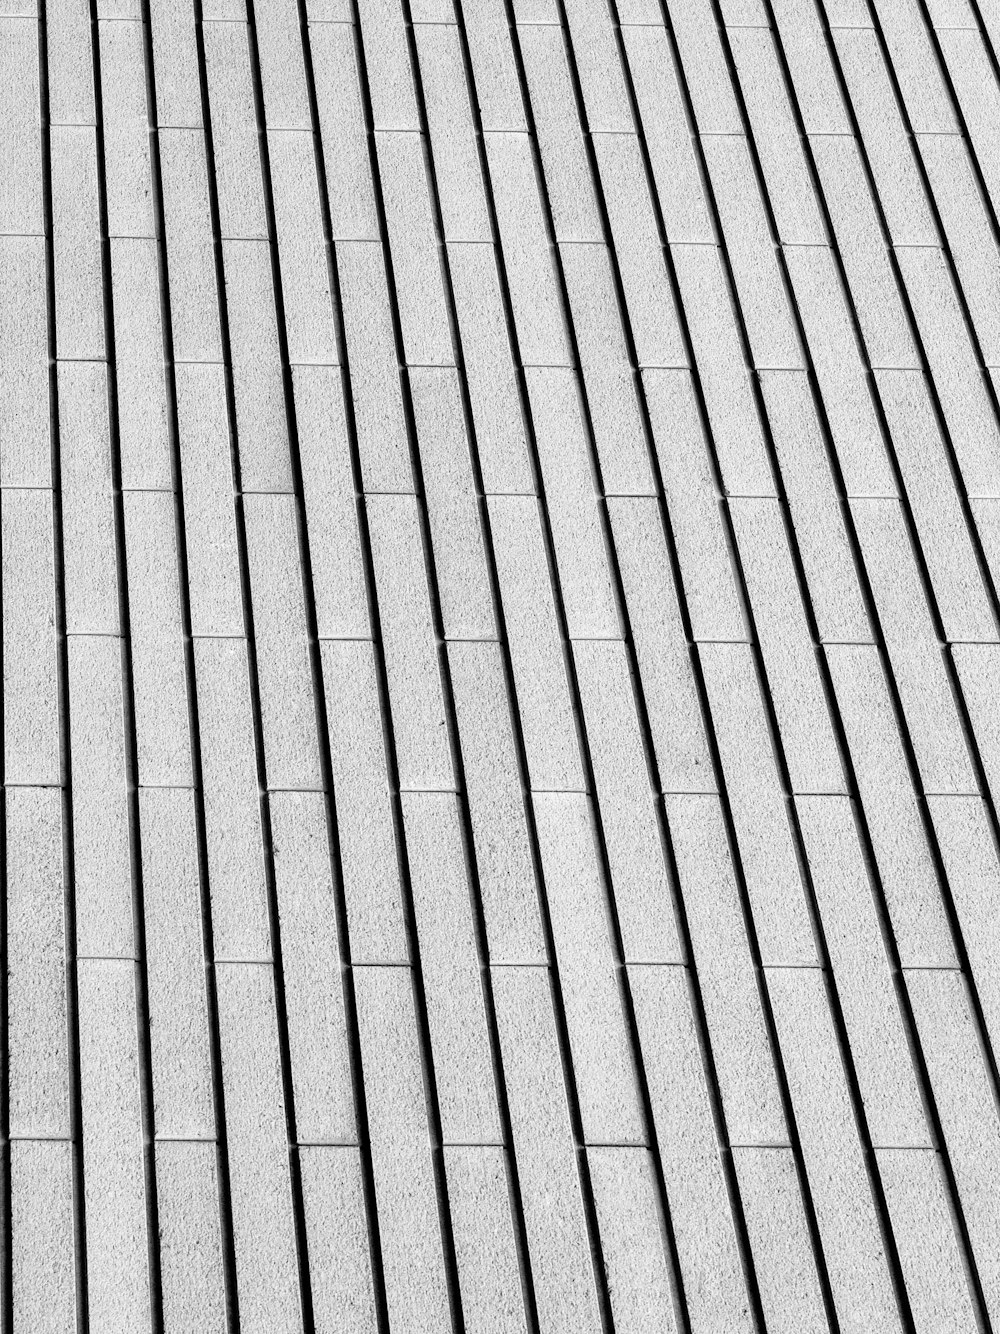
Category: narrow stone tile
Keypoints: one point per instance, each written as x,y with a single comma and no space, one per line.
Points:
194,311
484,1239
187,1205
339,1264
282,70
350,191
234,134
21,144
41,1236
24,403
394,105
127,166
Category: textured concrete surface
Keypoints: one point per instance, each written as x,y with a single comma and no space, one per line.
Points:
500,603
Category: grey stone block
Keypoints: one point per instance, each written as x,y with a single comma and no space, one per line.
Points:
339,1264
602,1061
364,815
813,79
232,806
41,1236
76,243
504,867
234,131
758,806
383,35
142,391
157,638
573,505
558,1244
183,1102
71,77
700,49
38,1068
21,145
126,130
539,668
925,95
311,965
194,311
627,804
282,70
24,369
175,63
420,730
288,711
497,90
452,505
592,33
464,212
342,131
87,505
30,692
187,1205
486,1250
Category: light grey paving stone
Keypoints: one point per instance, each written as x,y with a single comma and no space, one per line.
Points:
175,63
835,1166
24,370
602,1061
602,83
225,11
714,1285
375,388
236,159
779,1241
810,67
608,376
539,668
964,396
76,243
409,643
933,1271
310,954
489,369
383,37
331,504
534,296
21,147
975,84
103,877
190,1242
71,77
412,1257
114,1187
209,514
944,537
886,141
194,311
87,504
488,1276
30,690
565,169
340,1272
763,301
732,413
305,277
344,139
965,839
885,1074
668,135
914,651
693,506
946,14
261,426
900,844
759,812
497,90
874,292
126,130
260,1186
536,12
282,71
364,816
637,12
175,965
41,1236
783,632
729,987
967,1110
143,437
573,505
631,1240
157,638
970,236
464,213
626,801
288,711
232,808
667,681
635,234
452,506
815,508
416,262
797,216
36,964
701,53
558,1244
743,13
504,867
450,967
840,374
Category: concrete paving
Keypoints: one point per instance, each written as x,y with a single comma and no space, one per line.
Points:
500,530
